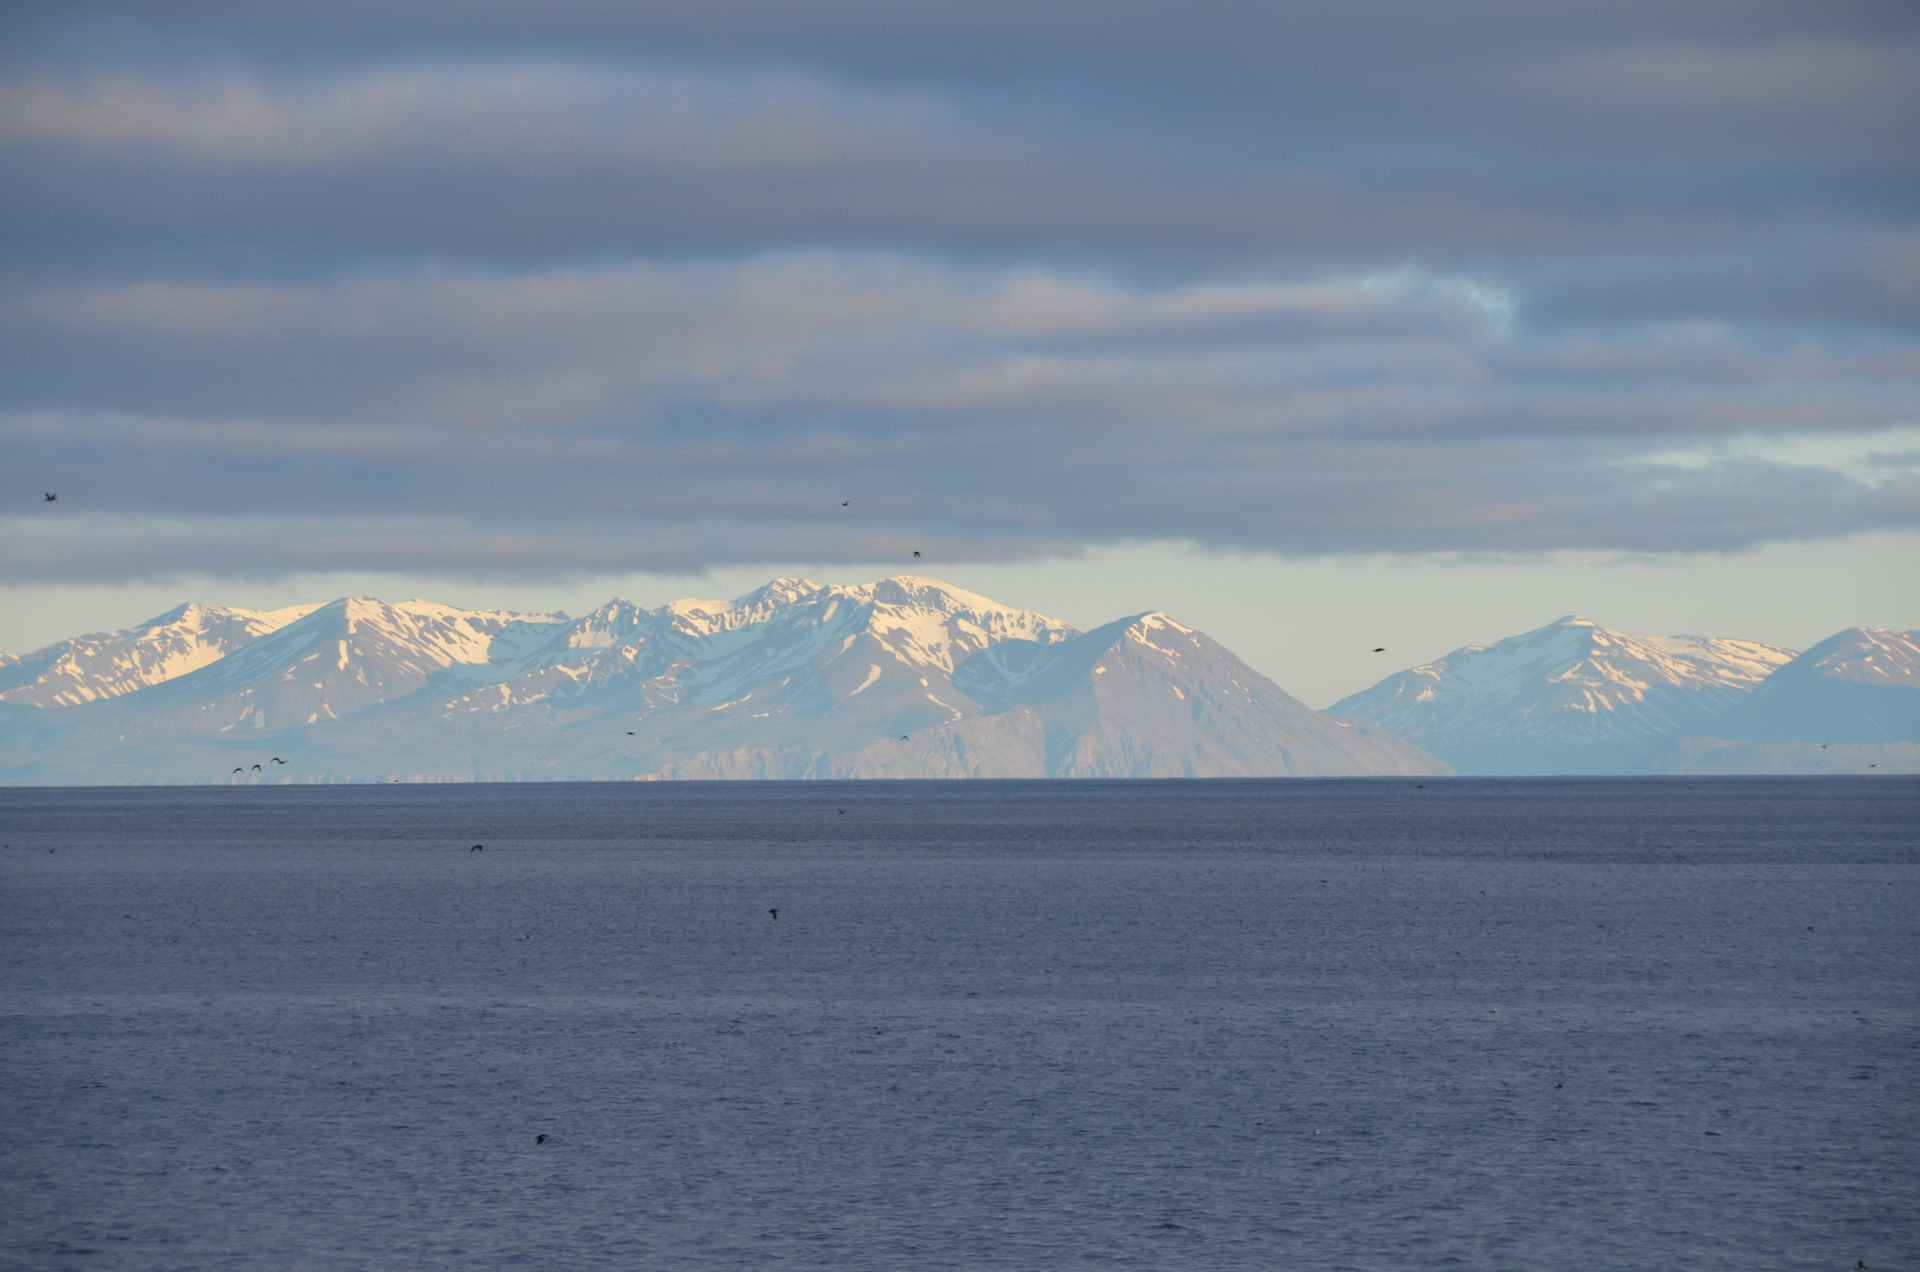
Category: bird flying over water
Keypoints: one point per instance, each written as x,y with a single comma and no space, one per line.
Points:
256,768
540,1139
240,770
916,554
276,760
51,496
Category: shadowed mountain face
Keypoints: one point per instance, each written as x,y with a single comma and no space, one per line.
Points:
1851,704
1860,685
906,677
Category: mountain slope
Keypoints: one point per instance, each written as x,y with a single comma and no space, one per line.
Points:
1568,697
1859,685
1149,697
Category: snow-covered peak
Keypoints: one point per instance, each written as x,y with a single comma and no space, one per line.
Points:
917,592
441,634
108,664
1156,632
698,617
1577,652
774,594
935,624
1867,656
1861,685
921,620
1569,682
618,622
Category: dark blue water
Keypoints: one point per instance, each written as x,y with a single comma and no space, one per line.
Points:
1472,1024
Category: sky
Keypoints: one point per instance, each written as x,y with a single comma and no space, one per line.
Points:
1317,327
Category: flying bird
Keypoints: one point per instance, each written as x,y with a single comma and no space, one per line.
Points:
845,502
539,1139
478,848
1379,649
916,554
51,496
256,768
775,914
239,770
276,760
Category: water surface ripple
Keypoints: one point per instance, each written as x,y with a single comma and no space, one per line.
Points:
1370,1025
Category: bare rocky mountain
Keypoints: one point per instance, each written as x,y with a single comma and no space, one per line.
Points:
907,677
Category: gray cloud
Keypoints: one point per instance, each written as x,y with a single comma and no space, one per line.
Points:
602,286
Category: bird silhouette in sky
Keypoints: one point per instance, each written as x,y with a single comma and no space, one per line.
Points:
256,768
276,760
51,496
846,503
239,770
916,554
1379,649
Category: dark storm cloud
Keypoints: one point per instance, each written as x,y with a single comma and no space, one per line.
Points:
605,286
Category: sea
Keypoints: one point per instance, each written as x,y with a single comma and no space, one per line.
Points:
1363,1024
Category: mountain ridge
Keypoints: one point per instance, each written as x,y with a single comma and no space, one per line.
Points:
906,676
794,679
1576,697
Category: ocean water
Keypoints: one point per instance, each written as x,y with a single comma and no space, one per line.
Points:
1365,1024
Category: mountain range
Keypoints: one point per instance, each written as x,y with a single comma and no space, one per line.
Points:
1576,697
906,677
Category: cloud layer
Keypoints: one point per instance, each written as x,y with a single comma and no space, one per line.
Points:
610,287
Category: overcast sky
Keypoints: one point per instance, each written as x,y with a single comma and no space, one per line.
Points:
1305,318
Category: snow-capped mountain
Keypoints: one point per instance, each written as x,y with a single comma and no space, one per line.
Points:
1850,704
1570,697
1859,685
906,677
108,664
